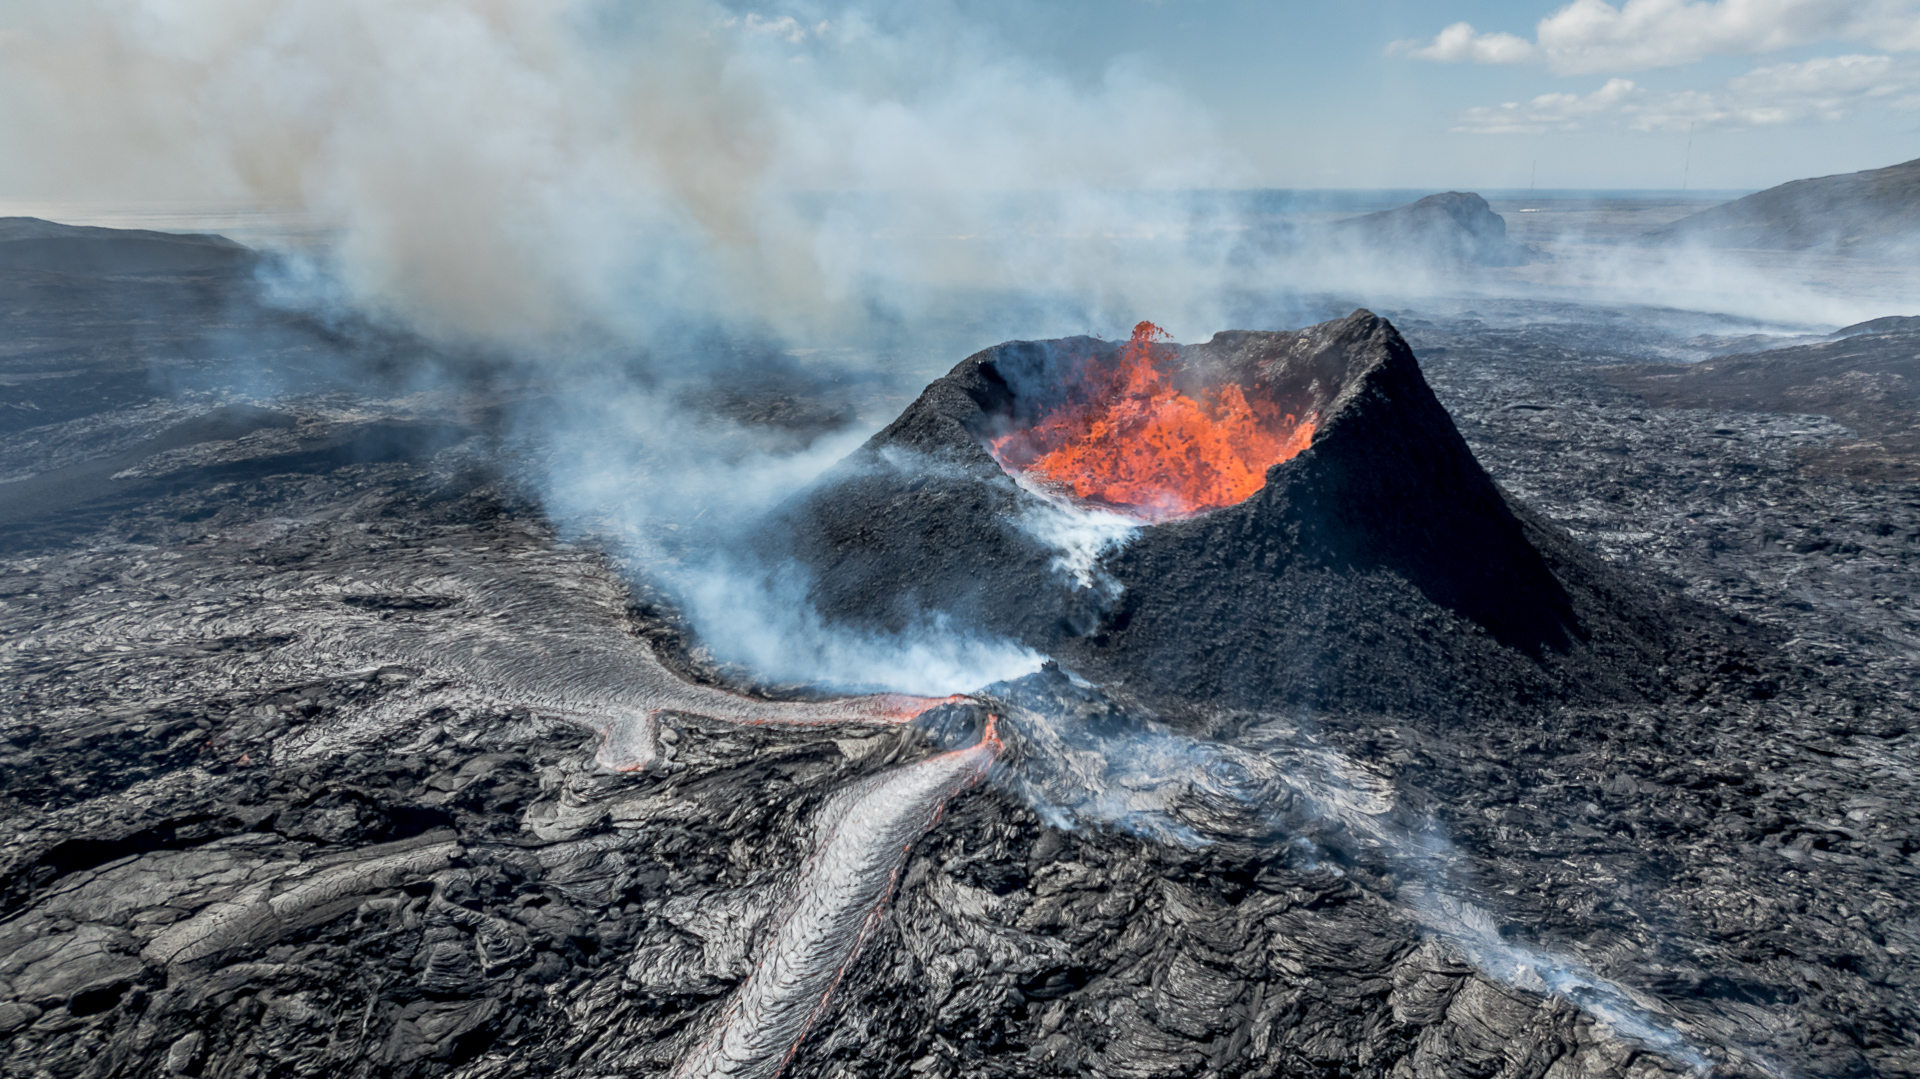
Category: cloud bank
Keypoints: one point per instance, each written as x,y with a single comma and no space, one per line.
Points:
1826,88
1594,36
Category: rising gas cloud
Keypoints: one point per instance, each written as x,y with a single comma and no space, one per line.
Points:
581,170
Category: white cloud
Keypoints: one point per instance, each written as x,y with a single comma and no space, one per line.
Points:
1596,36
1827,88
1592,35
1459,42
1549,112
786,27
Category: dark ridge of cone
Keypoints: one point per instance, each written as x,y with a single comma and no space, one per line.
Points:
1381,569
1388,486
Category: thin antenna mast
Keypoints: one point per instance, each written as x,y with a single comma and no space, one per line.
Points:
1687,169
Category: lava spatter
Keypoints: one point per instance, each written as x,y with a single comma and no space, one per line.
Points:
1131,440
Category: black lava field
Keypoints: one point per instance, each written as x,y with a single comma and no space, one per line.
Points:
1550,716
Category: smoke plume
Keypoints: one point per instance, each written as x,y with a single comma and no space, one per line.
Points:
579,171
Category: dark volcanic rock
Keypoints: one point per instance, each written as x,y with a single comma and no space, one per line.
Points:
1380,569
1855,211
28,243
228,444
1868,379
1454,226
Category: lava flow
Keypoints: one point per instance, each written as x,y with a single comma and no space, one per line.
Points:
591,674
1132,441
838,898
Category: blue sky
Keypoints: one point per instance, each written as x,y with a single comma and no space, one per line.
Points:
1310,94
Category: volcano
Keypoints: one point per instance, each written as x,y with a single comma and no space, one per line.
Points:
1371,564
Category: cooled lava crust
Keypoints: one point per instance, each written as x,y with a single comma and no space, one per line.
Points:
1381,569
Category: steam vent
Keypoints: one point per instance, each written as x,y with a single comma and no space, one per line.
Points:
1375,567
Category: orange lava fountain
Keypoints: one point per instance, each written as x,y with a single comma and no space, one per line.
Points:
1133,442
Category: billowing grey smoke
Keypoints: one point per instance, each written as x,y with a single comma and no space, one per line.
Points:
581,171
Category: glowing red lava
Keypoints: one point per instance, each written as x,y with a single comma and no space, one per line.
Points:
1132,441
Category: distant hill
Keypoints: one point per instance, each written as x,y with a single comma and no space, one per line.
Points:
1454,226
1889,324
1867,211
1448,231
28,243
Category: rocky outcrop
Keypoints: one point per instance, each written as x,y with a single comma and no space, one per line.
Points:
1441,235
1454,227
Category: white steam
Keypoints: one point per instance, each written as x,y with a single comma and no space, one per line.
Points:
1629,1014
680,494
765,622
1082,536
579,170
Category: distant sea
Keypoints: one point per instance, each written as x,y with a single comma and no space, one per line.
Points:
263,225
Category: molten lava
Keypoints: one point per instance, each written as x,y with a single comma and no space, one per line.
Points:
1129,439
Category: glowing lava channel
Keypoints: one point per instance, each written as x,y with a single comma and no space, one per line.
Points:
862,837
1136,443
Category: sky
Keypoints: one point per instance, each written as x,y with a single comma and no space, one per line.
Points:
223,98
1508,93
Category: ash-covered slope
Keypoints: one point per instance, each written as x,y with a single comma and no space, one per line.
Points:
1855,211
1381,569
28,243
